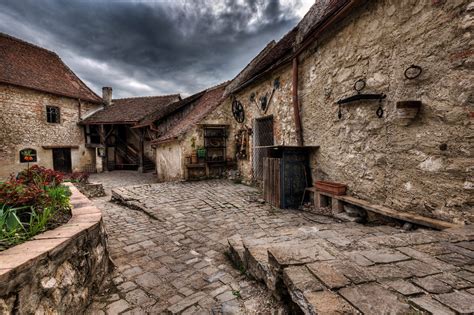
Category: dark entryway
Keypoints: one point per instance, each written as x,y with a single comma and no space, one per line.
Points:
262,139
62,160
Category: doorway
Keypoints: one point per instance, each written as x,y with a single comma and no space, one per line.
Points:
62,160
262,139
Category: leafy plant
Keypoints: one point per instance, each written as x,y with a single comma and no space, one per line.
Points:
39,221
10,224
40,176
30,203
14,193
58,197
77,177
236,293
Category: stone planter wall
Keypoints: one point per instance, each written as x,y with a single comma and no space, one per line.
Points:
60,270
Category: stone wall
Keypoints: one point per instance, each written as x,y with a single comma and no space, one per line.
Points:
424,165
279,106
59,271
24,125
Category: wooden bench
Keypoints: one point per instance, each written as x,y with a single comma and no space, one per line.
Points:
323,199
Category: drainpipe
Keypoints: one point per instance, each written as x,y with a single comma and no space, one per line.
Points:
296,105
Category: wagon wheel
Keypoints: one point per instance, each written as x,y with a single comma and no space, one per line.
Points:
238,111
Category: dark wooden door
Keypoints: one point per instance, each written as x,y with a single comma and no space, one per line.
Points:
62,160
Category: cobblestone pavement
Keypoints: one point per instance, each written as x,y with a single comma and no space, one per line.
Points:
170,251
173,256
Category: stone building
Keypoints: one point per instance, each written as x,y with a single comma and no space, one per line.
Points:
121,132
404,139
200,125
41,102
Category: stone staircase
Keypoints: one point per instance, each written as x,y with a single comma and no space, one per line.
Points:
353,269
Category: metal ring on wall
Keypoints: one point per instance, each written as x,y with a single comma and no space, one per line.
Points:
416,72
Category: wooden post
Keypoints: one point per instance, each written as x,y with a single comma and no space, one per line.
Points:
141,151
104,145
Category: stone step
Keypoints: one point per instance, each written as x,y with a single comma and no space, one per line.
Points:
236,252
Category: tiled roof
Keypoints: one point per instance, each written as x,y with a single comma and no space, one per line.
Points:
316,15
26,65
131,110
266,59
170,109
284,49
208,102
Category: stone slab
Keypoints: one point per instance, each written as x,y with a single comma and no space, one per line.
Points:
326,302
404,287
417,268
456,259
286,254
460,301
301,278
372,298
384,256
186,302
432,285
328,275
427,304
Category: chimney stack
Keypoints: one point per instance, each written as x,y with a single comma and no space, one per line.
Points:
107,95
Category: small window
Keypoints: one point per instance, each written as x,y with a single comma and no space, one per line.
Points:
52,114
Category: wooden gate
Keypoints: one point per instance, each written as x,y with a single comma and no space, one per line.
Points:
271,181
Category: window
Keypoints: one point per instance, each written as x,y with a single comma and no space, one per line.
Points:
92,134
52,114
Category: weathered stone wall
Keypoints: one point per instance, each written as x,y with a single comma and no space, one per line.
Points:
24,125
424,165
279,106
60,270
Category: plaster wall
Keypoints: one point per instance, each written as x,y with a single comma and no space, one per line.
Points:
169,164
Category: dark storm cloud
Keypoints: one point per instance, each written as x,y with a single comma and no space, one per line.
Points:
151,47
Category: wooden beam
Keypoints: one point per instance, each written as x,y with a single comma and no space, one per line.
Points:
404,216
141,150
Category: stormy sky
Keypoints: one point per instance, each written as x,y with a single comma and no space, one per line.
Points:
152,47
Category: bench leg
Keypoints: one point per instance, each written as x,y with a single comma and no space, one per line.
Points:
317,200
337,206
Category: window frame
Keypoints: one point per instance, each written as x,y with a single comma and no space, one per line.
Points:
50,115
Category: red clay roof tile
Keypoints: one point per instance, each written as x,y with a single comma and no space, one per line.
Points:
131,110
26,65
208,102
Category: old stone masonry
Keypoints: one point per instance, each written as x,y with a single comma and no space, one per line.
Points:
212,247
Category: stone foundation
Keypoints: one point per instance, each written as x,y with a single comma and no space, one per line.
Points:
60,270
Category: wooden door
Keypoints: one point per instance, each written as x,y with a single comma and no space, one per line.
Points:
62,160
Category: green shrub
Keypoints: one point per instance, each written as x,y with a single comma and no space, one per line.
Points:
31,203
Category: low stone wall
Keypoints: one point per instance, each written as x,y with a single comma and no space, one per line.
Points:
60,270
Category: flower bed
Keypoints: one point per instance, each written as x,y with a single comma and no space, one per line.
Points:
30,203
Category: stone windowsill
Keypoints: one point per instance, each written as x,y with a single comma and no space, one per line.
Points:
85,217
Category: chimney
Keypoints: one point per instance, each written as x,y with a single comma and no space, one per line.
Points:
107,95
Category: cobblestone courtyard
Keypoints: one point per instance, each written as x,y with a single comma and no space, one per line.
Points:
170,243
173,258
